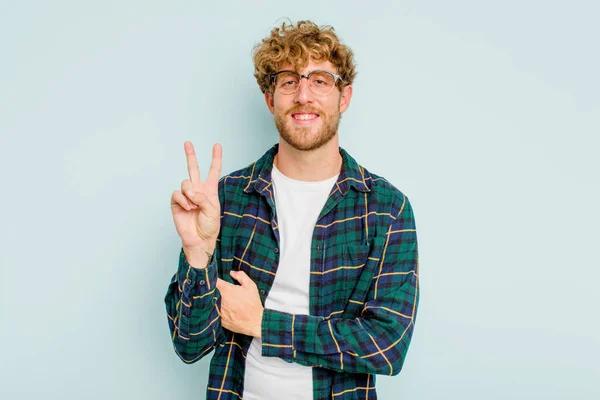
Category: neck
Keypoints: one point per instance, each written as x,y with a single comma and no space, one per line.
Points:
309,166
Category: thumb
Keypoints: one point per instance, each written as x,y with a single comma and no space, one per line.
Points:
241,277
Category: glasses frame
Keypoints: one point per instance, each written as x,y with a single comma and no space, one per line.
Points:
336,78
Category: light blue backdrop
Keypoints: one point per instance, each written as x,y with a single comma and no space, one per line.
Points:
486,114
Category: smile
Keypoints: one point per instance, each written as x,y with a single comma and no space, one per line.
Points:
304,117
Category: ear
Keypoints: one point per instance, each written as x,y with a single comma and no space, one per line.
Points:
270,100
345,98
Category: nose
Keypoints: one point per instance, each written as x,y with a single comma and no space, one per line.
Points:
303,95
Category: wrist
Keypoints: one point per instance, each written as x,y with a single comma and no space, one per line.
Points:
199,256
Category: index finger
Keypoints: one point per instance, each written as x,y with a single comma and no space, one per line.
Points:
241,277
192,162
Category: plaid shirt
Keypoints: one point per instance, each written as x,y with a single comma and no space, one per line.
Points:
363,285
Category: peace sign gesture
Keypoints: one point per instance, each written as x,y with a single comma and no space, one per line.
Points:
196,209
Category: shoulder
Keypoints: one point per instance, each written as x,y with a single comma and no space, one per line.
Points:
240,180
386,194
394,210
237,180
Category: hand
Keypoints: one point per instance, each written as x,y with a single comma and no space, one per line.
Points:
196,209
241,308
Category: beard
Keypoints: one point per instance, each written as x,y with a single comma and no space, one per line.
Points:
303,138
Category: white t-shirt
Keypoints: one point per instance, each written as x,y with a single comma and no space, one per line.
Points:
298,206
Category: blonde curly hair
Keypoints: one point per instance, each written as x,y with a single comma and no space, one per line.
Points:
296,45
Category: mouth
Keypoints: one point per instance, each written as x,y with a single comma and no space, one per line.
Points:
304,118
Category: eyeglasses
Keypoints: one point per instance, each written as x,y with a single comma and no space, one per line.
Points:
320,82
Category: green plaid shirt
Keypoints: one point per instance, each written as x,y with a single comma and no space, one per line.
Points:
363,285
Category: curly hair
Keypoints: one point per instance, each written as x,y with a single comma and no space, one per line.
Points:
296,45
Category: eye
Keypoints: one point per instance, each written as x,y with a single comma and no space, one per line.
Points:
321,79
287,80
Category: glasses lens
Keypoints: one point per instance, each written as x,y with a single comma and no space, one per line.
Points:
287,82
322,82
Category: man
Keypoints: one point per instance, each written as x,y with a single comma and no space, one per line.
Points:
300,270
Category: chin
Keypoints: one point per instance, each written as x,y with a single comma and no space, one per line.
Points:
306,138
301,141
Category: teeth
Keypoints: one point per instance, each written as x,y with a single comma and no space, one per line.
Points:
305,116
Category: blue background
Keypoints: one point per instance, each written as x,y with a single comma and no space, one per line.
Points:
486,114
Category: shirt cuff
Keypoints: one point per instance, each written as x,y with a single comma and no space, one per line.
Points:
277,334
193,281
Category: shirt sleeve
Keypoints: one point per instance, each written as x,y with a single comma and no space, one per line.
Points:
376,342
192,303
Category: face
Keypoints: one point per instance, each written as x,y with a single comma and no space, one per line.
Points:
307,121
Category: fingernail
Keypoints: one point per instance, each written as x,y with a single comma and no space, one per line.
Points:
191,193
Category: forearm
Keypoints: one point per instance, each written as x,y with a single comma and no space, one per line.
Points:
192,310
376,341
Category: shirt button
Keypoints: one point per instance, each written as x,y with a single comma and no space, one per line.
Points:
187,282
202,282
262,292
318,247
276,250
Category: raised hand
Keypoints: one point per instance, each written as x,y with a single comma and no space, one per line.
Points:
196,209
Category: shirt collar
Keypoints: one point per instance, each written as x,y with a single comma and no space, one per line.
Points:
351,174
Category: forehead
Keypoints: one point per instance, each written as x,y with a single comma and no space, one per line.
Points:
311,66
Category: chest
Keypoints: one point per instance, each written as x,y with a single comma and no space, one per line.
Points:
338,252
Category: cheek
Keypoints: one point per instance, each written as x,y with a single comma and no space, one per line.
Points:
332,108
281,102
279,107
